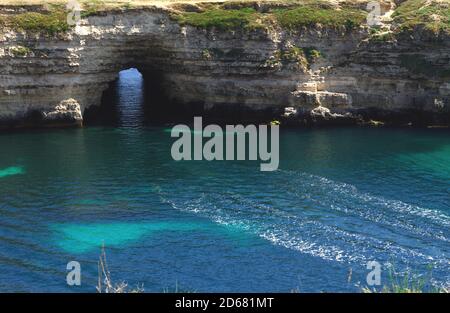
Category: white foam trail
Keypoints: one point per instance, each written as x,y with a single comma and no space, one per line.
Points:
312,231
396,205
356,247
349,200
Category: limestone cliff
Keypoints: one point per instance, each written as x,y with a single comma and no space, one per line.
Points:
310,72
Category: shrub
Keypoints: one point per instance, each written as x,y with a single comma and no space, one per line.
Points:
19,51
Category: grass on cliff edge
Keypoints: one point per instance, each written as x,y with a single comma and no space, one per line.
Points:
51,22
294,16
289,14
51,19
431,15
221,19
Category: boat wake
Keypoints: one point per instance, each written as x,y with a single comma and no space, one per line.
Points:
326,219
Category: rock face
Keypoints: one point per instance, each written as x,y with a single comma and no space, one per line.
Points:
55,79
66,112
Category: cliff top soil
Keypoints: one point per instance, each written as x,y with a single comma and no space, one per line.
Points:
432,16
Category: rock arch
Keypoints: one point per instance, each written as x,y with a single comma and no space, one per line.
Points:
57,78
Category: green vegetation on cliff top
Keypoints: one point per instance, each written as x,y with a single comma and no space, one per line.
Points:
51,22
317,15
293,16
221,18
289,14
52,18
433,16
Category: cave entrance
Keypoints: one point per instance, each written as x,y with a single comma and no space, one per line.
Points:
135,99
128,98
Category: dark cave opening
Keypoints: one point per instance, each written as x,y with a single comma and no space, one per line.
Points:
137,99
140,98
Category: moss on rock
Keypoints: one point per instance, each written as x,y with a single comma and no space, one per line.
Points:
19,51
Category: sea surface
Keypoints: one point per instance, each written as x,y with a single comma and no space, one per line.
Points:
341,197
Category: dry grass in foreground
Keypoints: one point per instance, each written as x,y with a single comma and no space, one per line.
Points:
105,283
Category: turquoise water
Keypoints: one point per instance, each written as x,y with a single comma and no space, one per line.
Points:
9,171
341,197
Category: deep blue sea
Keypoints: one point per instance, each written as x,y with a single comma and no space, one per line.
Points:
342,197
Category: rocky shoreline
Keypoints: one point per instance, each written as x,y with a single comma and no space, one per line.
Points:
316,74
